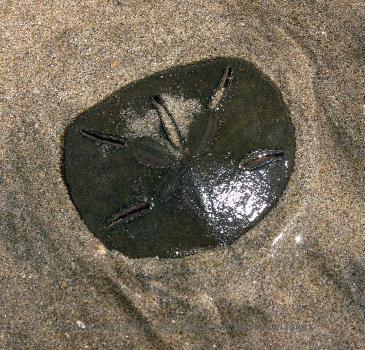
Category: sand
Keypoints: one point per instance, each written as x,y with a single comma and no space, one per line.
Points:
295,281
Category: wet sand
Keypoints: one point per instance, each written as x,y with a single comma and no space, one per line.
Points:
295,281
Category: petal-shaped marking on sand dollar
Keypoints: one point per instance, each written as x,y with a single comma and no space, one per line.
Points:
149,153
180,179
221,89
103,138
126,214
259,158
168,122
202,134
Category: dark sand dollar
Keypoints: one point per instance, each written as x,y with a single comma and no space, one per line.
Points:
183,160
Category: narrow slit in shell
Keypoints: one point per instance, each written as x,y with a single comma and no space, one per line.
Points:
128,214
221,89
257,159
103,137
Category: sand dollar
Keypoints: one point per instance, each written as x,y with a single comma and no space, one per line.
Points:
183,160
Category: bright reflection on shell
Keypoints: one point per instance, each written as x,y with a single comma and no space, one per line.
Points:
240,197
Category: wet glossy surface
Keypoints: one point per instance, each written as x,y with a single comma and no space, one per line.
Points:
183,160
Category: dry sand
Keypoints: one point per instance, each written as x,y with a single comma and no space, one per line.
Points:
295,281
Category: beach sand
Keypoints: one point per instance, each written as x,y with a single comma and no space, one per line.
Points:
295,281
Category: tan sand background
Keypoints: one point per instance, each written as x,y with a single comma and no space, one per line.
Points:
295,281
